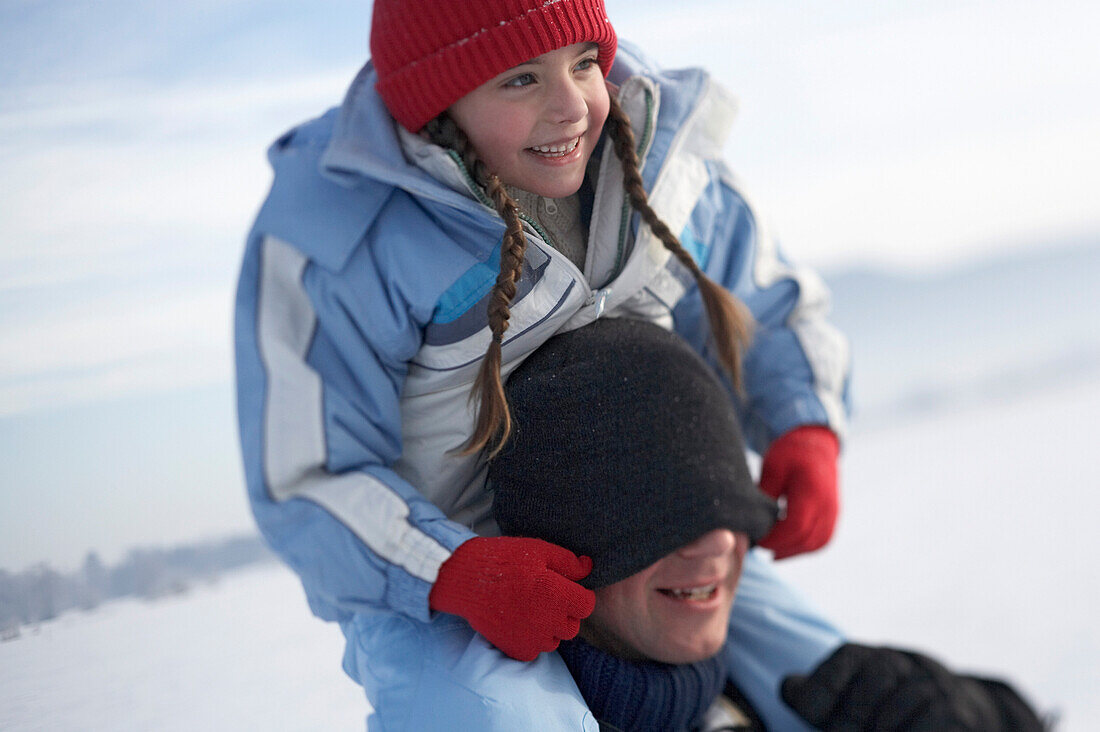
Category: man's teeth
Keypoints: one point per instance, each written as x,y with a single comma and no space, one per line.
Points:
693,593
556,151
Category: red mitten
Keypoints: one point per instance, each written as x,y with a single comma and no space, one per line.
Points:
521,594
801,466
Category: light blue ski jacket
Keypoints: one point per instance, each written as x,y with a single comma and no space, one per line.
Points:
361,321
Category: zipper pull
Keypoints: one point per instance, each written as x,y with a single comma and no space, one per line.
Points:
598,299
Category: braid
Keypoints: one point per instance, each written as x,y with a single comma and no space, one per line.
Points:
730,321
494,421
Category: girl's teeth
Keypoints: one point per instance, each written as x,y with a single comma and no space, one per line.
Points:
556,150
693,593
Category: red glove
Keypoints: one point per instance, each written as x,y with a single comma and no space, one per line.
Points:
521,594
801,465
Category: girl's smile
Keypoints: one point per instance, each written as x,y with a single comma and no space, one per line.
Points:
556,151
536,125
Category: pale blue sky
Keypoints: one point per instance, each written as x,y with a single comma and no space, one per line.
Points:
131,160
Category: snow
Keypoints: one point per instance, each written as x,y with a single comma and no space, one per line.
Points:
968,533
242,654
972,534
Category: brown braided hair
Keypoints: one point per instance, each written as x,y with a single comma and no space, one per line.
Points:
731,324
493,417
730,320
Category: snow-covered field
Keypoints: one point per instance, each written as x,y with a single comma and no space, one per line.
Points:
973,534
244,654
970,533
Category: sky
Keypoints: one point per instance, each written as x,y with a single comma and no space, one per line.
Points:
899,135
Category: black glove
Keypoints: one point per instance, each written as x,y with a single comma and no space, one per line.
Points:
864,688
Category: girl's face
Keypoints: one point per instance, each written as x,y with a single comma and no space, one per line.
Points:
536,124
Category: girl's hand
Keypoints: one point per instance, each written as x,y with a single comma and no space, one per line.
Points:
801,467
521,594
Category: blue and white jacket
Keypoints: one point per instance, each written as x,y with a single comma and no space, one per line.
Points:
361,321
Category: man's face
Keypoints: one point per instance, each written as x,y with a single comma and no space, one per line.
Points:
677,609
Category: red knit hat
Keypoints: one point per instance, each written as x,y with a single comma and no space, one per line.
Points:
430,53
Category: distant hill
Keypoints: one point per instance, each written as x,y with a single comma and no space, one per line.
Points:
984,329
42,593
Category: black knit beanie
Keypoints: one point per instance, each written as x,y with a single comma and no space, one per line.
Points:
626,447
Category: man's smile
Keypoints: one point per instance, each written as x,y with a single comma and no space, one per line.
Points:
693,594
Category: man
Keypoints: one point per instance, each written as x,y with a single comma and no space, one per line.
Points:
626,450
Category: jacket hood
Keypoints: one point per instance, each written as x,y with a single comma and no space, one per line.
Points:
366,144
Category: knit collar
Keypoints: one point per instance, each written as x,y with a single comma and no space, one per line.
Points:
645,695
560,211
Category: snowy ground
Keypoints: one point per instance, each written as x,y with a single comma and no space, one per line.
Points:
244,654
973,534
969,533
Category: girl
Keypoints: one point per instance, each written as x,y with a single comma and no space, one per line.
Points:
481,188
